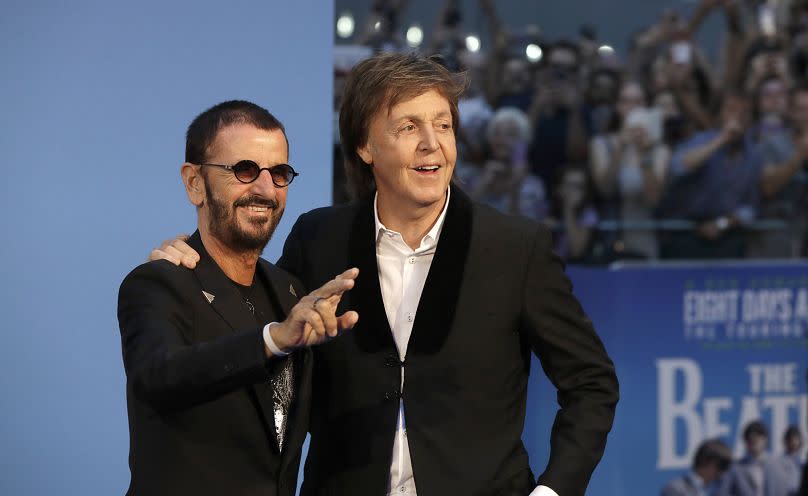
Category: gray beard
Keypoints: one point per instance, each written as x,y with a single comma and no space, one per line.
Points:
223,225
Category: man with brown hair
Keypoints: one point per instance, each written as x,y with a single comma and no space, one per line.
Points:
756,473
427,394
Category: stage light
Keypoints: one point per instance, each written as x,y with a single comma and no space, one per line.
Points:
345,25
533,52
415,36
472,43
377,26
606,51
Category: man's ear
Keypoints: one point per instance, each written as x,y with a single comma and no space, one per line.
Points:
365,153
194,183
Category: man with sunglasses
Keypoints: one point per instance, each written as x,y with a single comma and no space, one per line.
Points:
217,365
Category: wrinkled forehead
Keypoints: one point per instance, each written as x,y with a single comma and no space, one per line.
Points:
244,140
395,103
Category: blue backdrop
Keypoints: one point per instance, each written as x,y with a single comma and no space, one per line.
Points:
700,351
95,98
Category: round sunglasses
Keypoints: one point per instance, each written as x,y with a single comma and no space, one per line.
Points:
247,171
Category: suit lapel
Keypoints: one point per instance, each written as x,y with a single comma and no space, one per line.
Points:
373,330
438,303
226,300
220,291
285,292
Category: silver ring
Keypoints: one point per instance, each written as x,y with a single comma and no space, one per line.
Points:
316,301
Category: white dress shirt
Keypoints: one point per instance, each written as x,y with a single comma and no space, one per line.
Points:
402,274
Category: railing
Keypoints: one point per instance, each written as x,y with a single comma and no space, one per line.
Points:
682,225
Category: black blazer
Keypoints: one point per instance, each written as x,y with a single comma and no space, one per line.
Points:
199,402
495,293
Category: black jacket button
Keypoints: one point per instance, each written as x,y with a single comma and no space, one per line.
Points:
392,360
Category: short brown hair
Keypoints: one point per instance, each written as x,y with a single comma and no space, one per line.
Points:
379,83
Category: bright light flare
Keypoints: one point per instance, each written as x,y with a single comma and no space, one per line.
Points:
473,43
533,52
415,36
345,25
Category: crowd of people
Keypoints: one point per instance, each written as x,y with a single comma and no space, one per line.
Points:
655,153
715,472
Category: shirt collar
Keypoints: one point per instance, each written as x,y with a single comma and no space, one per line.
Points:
433,233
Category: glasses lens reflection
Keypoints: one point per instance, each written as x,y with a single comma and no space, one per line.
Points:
246,171
281,174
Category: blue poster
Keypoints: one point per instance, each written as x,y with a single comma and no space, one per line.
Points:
700,351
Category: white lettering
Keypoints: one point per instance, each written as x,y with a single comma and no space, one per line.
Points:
670,410
801,306
767,304
712,417
710,307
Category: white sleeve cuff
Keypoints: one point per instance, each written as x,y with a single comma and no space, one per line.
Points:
543,491
270,343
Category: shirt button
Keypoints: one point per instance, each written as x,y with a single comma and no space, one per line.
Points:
409,317
401,489
412,260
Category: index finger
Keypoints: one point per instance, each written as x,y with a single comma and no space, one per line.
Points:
337,286
351,273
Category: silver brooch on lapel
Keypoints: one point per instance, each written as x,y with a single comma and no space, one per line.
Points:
208,296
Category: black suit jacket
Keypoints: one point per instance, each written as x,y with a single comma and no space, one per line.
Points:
495,293
200,405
